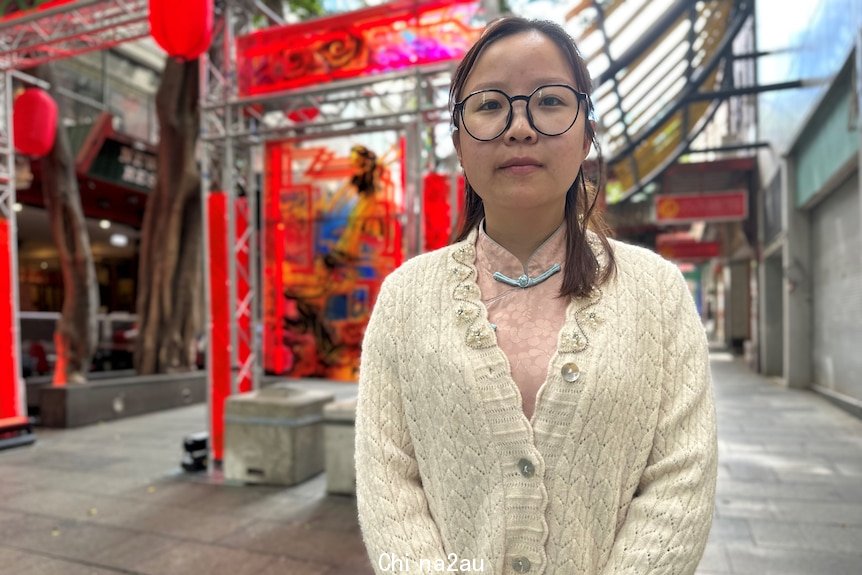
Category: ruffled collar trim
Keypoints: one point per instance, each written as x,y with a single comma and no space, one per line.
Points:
492,257
472,315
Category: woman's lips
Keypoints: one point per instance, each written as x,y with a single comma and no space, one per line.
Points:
520,166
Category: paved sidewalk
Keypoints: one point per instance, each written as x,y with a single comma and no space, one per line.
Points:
111,499
789,498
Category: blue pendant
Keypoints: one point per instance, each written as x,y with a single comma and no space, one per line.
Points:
526,281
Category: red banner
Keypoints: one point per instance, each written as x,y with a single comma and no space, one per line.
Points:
689,249
718,207
359,43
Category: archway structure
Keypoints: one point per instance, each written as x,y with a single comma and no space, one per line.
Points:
385,68
403,90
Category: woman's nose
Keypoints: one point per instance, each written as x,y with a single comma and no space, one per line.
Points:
520,128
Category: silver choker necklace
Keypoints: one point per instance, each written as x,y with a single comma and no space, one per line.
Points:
526,281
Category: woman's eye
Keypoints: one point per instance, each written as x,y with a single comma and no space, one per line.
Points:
490,105
551,101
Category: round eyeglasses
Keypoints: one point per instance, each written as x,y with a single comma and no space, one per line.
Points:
551,110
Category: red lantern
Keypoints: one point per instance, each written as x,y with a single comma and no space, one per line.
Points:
34,122
184,29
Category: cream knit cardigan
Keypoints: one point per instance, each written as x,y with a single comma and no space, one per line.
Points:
614,475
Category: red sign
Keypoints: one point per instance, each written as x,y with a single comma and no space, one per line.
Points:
363,42
675,248
720,207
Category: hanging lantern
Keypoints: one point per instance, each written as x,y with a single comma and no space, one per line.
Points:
34,122
183,29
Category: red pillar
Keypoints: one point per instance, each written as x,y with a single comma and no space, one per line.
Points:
14,425
11,387
219,325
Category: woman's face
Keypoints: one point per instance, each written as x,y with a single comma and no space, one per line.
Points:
522,169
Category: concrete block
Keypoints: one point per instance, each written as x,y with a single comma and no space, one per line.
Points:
340,434
274,435
108,399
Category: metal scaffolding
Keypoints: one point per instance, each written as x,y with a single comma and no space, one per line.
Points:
70,29
13,391
233,128
699,61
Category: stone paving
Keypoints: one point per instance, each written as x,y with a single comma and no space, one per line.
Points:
789,498
111,499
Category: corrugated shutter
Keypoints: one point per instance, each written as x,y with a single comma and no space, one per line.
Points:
836,250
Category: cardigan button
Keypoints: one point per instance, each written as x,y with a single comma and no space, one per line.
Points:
526,467
571,372
521,564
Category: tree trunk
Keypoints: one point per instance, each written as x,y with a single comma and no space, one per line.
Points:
76,335
170,290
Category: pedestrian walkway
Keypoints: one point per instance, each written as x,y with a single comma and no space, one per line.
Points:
789,498
111,499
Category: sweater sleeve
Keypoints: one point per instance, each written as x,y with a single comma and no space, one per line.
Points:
399,533
668,521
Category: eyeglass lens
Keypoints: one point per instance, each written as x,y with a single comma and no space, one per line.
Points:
552,110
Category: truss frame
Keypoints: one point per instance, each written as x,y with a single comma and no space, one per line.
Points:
70,29
232,127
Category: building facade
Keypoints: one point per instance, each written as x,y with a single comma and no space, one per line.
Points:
809,265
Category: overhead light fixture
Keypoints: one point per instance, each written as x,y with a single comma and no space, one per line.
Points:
119,240
104,224
44,265
17,207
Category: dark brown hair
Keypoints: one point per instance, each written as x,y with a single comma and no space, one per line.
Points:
366,181
581,272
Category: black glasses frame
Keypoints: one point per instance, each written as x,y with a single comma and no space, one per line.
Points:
458,110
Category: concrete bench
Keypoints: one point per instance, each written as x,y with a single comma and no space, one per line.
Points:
339,436
274,435
74,405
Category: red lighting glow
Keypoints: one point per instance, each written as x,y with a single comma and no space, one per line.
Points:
11,400
363,42
219,328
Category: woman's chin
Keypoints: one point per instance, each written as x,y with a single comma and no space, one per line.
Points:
524,200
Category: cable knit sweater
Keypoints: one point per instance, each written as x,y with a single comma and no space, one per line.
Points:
614,473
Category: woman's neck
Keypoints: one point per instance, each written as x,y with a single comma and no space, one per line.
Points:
521,235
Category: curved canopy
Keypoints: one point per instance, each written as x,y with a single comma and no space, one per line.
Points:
652,63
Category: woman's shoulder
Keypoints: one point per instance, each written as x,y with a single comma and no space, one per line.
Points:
413,273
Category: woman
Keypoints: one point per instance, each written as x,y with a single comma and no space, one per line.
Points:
533,398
